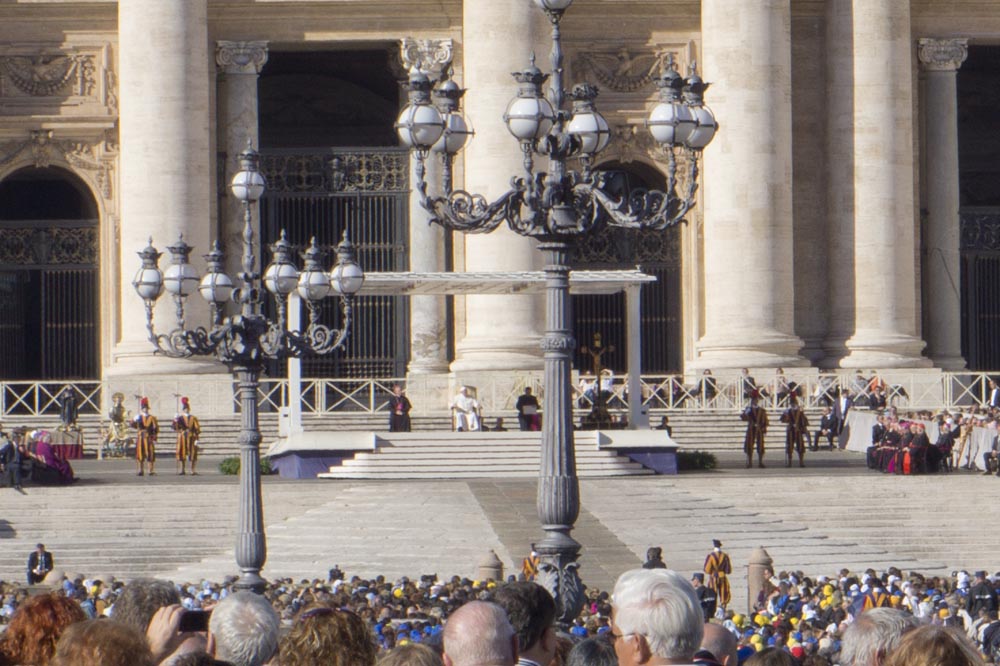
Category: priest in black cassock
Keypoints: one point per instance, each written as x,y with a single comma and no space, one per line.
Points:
399,410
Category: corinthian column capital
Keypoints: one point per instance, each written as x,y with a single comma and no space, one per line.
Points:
430,56
942,55
240,57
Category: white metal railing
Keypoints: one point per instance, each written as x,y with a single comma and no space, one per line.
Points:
906,390
34,399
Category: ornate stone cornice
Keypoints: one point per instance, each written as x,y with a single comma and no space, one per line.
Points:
96,157
431,56
942,55
240,57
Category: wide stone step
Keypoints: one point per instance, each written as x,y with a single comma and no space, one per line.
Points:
495,468
345,473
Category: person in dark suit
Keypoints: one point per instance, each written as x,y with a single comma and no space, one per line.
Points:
841,406
749,384
919,446
527,411
993,400
826,430
944,444
14,460
878,434
707,388
40,563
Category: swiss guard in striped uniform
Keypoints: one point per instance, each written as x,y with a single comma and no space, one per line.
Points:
717,569
796,430
145,441
756,419
188,431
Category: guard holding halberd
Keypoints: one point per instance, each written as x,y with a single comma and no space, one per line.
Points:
796,429
188,433
756,418
145,442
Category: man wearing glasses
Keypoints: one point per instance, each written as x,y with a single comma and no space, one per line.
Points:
656,619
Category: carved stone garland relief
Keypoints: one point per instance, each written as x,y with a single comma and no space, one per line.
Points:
77,80
626,79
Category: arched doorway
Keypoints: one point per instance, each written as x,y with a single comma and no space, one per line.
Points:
656,253
49,312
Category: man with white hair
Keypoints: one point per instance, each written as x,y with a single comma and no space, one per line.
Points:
479,634
243,630
874,635
656,618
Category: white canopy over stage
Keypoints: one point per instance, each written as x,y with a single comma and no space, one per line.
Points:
519,282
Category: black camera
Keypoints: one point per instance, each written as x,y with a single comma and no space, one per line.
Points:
194,620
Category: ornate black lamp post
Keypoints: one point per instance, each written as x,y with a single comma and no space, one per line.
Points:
556,208
247,340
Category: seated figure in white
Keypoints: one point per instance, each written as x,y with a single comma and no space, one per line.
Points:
466,411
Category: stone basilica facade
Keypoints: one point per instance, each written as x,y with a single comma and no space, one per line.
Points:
847,212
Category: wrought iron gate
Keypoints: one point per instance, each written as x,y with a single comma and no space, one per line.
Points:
980,248
365,191
49,299
657,253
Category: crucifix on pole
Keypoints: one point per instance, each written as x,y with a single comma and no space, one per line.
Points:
599,417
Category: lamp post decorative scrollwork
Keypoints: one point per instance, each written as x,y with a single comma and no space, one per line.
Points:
247,340
556,207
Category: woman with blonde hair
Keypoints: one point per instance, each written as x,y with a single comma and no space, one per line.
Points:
324,636
932,645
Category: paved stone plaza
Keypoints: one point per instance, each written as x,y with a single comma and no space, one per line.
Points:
832,514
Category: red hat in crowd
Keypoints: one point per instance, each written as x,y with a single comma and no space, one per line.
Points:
144,402
184,403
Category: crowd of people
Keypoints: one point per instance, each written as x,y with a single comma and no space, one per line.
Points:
901,443
653,616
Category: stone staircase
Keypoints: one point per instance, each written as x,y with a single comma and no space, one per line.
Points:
722,432
448,455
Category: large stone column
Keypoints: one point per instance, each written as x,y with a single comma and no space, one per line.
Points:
502,332
165,157
884,210
428,314
839,179
748,196
940,60
239,64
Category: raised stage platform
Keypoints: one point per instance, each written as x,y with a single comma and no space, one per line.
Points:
444,455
